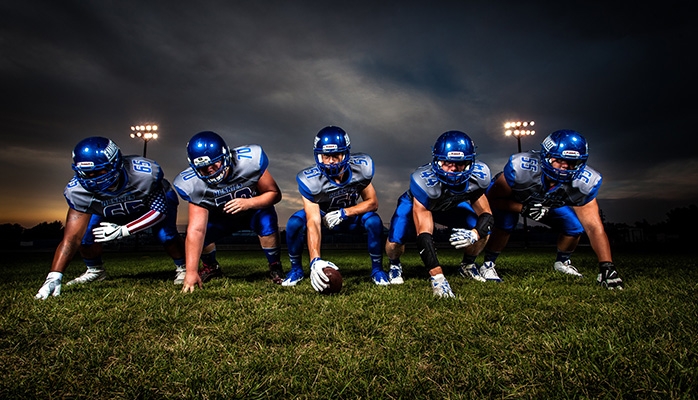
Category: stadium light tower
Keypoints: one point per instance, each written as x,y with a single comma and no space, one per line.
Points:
146,133
519,129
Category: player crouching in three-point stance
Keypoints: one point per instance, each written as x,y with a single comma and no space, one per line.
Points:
330,190
449,191
112,196
556,188
228,190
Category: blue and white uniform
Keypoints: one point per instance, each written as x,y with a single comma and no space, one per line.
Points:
450,207
144,200
524,175
250,163
330,195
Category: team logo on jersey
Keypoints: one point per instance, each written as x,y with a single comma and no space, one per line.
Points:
570,154
455,155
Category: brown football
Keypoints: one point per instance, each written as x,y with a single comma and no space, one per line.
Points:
335,281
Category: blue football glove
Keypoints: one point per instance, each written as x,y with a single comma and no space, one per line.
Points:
318,279
334,218
52,286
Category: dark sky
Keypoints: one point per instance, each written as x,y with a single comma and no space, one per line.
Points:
393,74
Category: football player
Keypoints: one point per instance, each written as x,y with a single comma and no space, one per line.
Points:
557,188
330,190
449,191
110,197
228,190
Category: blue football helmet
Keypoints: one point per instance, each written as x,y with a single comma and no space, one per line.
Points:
332,140
453,146
207,148
98,165
565,145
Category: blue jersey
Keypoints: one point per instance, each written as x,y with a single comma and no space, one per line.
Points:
144,190
435,196
249,164
524,175
330,195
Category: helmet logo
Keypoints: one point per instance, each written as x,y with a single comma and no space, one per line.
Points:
85,164
202,161
548,143
570,154
111,150
329,148
459,155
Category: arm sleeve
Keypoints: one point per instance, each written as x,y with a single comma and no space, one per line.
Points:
157,203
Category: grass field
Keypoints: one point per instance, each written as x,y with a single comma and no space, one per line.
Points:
537,335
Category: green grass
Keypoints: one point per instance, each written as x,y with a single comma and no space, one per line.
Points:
537,335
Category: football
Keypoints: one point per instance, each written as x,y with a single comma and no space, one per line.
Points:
335,281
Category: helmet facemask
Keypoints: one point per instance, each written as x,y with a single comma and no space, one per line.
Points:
332,142
206,149
564,146
453,147
98,165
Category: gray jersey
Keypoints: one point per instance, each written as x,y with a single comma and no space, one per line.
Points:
435,196
143,191
524,175
250,164
318,188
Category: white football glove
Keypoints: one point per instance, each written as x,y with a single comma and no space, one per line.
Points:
334,218
52,286
318,279
108,231
536,211
461,238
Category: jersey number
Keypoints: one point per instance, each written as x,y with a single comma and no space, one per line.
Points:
529,163
429,178
125,208
142,166
243,193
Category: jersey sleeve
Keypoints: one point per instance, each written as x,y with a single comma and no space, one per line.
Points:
420,183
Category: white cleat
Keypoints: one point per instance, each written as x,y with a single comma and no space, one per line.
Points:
566,268
395,275
470,271
489,273
91,275
180,273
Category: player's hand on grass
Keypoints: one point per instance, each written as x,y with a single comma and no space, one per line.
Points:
318,279
52,286
191,281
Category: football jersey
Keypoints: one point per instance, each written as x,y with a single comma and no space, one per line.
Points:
525,176
330,195
436,196
144,190
249,164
